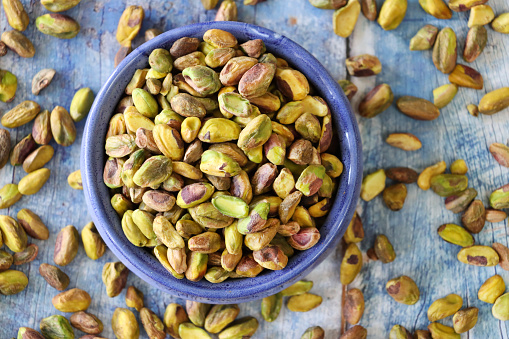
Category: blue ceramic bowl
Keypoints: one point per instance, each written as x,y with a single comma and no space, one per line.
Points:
140,261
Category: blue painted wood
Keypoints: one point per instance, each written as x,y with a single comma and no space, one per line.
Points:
88,60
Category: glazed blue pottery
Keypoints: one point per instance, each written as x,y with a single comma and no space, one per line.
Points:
346,140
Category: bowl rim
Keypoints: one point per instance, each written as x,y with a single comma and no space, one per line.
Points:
194,291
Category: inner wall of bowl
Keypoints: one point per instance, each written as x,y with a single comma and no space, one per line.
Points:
147,266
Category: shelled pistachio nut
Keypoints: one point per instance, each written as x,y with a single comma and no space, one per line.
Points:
73,300
437,8
501,23
444,307
445,51
56,326
403,290
66,246
494,101
81,103
376,101
455,234
14,236
12,282
478,255
124,324
58,25
464,320
491,289
392,14
19,43
129,24
424,38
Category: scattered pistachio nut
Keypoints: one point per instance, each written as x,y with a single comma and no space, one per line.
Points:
444,307
392,14
54,276
404,141
465,76
445,51
59,5
315,332
500,309
174,315
424,38
372,185
376,101
384,250
403,290
66,246
351,264
92,242
495,216
474,217
355,230
129,24
417,108
42,80
491,289
473,110
464,320
14,236
304,302
442,331
356,332
424,179
244,327
27,255
354,306
494,101
349,88
300,287
437,8
456,235
480,15
227,11
501,23
81,103
124,324
73,300
369,9
114,277
9,195
446,185
478,255
58,25
501,153
86,322
19,43
363,65
8,84
399,332
152,324
56,326
12,282
443,95
402,174
475,43
21,114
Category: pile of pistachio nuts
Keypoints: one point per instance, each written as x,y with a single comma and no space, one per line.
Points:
220,168
454,186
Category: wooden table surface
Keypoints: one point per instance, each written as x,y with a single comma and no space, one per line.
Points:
87,61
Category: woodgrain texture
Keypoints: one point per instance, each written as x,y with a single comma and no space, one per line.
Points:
87,60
